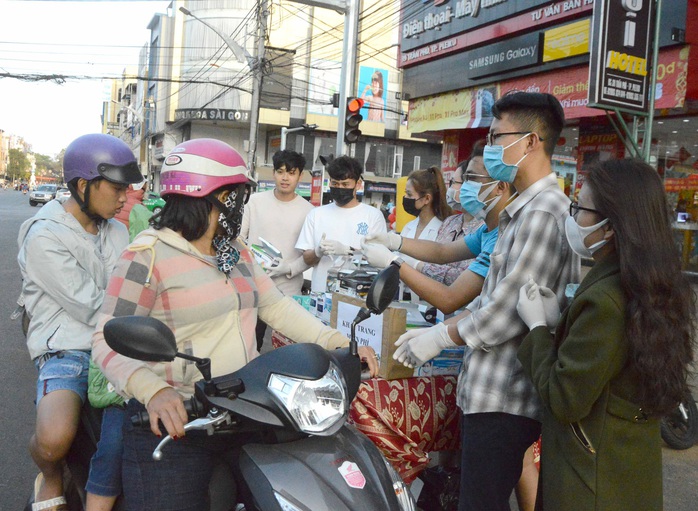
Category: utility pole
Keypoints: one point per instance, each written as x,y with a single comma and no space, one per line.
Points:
347,77
258,77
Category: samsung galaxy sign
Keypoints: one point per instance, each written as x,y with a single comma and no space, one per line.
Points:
621,45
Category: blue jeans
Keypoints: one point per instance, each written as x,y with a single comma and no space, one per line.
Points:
180,481
105,466
62,370
492,450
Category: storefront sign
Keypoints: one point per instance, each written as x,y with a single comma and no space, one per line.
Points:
212,114
513,53
316,188
620,53
470,108
439,19
372,187
678,184
566,41
467,31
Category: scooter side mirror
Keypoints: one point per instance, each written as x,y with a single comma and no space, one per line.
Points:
383,289
141,337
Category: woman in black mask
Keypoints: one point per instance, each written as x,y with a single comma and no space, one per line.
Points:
425,198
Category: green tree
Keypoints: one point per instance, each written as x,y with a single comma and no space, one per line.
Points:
18,165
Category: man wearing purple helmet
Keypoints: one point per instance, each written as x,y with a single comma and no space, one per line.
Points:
66,256
191,272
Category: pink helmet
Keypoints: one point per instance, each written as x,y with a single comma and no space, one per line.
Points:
200,166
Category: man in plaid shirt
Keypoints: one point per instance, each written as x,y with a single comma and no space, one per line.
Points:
501,409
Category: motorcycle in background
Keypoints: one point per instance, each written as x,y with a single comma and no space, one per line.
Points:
680,427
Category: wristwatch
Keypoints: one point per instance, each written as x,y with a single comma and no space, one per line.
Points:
398,261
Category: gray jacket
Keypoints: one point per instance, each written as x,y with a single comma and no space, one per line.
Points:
65,275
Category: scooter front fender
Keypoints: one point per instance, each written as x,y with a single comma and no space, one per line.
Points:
342,472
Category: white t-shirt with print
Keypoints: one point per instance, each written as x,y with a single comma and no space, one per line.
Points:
346,225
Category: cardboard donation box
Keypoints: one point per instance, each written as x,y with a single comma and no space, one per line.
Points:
378,332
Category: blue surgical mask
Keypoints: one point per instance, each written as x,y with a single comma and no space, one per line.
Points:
473,198
493,157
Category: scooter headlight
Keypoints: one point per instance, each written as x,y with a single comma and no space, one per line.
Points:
319,407
402,492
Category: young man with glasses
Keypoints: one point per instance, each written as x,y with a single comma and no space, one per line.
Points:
277,216
501,410
336,229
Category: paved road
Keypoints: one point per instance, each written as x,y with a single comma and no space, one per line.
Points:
17,379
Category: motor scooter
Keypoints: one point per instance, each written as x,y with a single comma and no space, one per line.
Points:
680,427
298,397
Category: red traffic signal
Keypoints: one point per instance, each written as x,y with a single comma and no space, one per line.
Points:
352,119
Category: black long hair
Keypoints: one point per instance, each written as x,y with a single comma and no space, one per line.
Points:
660,303
188,215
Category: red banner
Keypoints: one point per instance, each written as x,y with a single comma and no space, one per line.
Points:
570,85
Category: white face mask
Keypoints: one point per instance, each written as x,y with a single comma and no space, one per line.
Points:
452,199
577,234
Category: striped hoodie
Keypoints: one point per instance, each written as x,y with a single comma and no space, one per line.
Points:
162,275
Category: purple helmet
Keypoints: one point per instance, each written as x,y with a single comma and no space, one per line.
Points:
200,166
99,155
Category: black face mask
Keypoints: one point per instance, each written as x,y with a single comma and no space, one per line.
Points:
341,196
409,206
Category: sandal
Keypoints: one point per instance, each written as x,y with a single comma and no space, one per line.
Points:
54,504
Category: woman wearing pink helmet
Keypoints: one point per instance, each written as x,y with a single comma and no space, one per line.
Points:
191,272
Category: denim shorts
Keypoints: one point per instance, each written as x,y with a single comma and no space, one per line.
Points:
63,370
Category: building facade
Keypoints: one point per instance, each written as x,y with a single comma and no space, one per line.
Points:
459,56
191,84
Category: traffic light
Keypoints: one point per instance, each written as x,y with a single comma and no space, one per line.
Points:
352,119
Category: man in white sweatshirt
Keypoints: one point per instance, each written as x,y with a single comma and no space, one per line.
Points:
277,217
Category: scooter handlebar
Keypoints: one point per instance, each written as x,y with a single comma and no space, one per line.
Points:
192,406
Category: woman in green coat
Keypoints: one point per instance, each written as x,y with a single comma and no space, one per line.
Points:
619,357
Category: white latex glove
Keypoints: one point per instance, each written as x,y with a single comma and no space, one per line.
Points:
335,248
552,309
378,256
390,239
530,306
318,249
283,268
416,347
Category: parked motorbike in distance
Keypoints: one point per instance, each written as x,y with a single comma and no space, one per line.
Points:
299,397
680,427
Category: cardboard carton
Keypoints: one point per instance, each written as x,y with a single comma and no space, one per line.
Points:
379,332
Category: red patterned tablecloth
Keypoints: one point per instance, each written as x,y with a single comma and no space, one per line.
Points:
408,418
405,418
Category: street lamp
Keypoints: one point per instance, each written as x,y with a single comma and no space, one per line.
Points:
240,53
243,56
285,131
130,109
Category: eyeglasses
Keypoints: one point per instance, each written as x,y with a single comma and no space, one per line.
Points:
471,176
575,208
452,182
492,137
